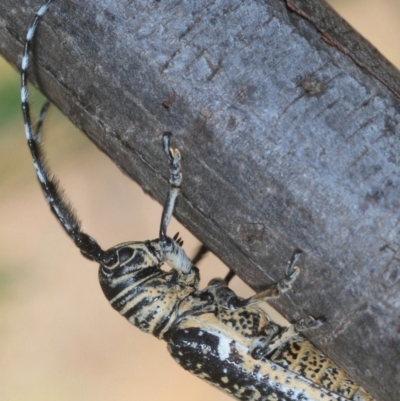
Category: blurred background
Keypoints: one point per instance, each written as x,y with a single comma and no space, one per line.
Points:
59,339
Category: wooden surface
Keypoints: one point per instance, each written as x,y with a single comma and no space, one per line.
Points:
289,140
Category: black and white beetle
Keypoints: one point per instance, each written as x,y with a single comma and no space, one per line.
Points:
225,340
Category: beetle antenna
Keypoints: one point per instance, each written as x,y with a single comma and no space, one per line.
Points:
52,191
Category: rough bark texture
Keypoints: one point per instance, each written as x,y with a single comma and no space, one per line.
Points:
288,124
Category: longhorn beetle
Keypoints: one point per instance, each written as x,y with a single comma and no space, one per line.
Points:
227,341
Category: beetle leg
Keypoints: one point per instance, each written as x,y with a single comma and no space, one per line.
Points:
264,345
231,274
201,252
261,344
175,180
292,272
39,123
174,255
307,323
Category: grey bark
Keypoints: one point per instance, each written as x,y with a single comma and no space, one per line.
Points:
288,124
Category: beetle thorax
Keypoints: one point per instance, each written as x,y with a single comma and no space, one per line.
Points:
140,290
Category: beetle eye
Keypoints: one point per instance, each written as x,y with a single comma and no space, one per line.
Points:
125,254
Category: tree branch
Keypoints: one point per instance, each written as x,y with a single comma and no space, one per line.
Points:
288,124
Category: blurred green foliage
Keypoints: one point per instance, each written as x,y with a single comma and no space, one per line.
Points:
9,98
10,104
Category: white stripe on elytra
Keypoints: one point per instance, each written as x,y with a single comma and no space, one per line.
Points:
224,348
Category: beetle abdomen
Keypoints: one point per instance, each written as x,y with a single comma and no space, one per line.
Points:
207,348
300,356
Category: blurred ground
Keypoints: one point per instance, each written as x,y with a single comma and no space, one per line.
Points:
59,339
